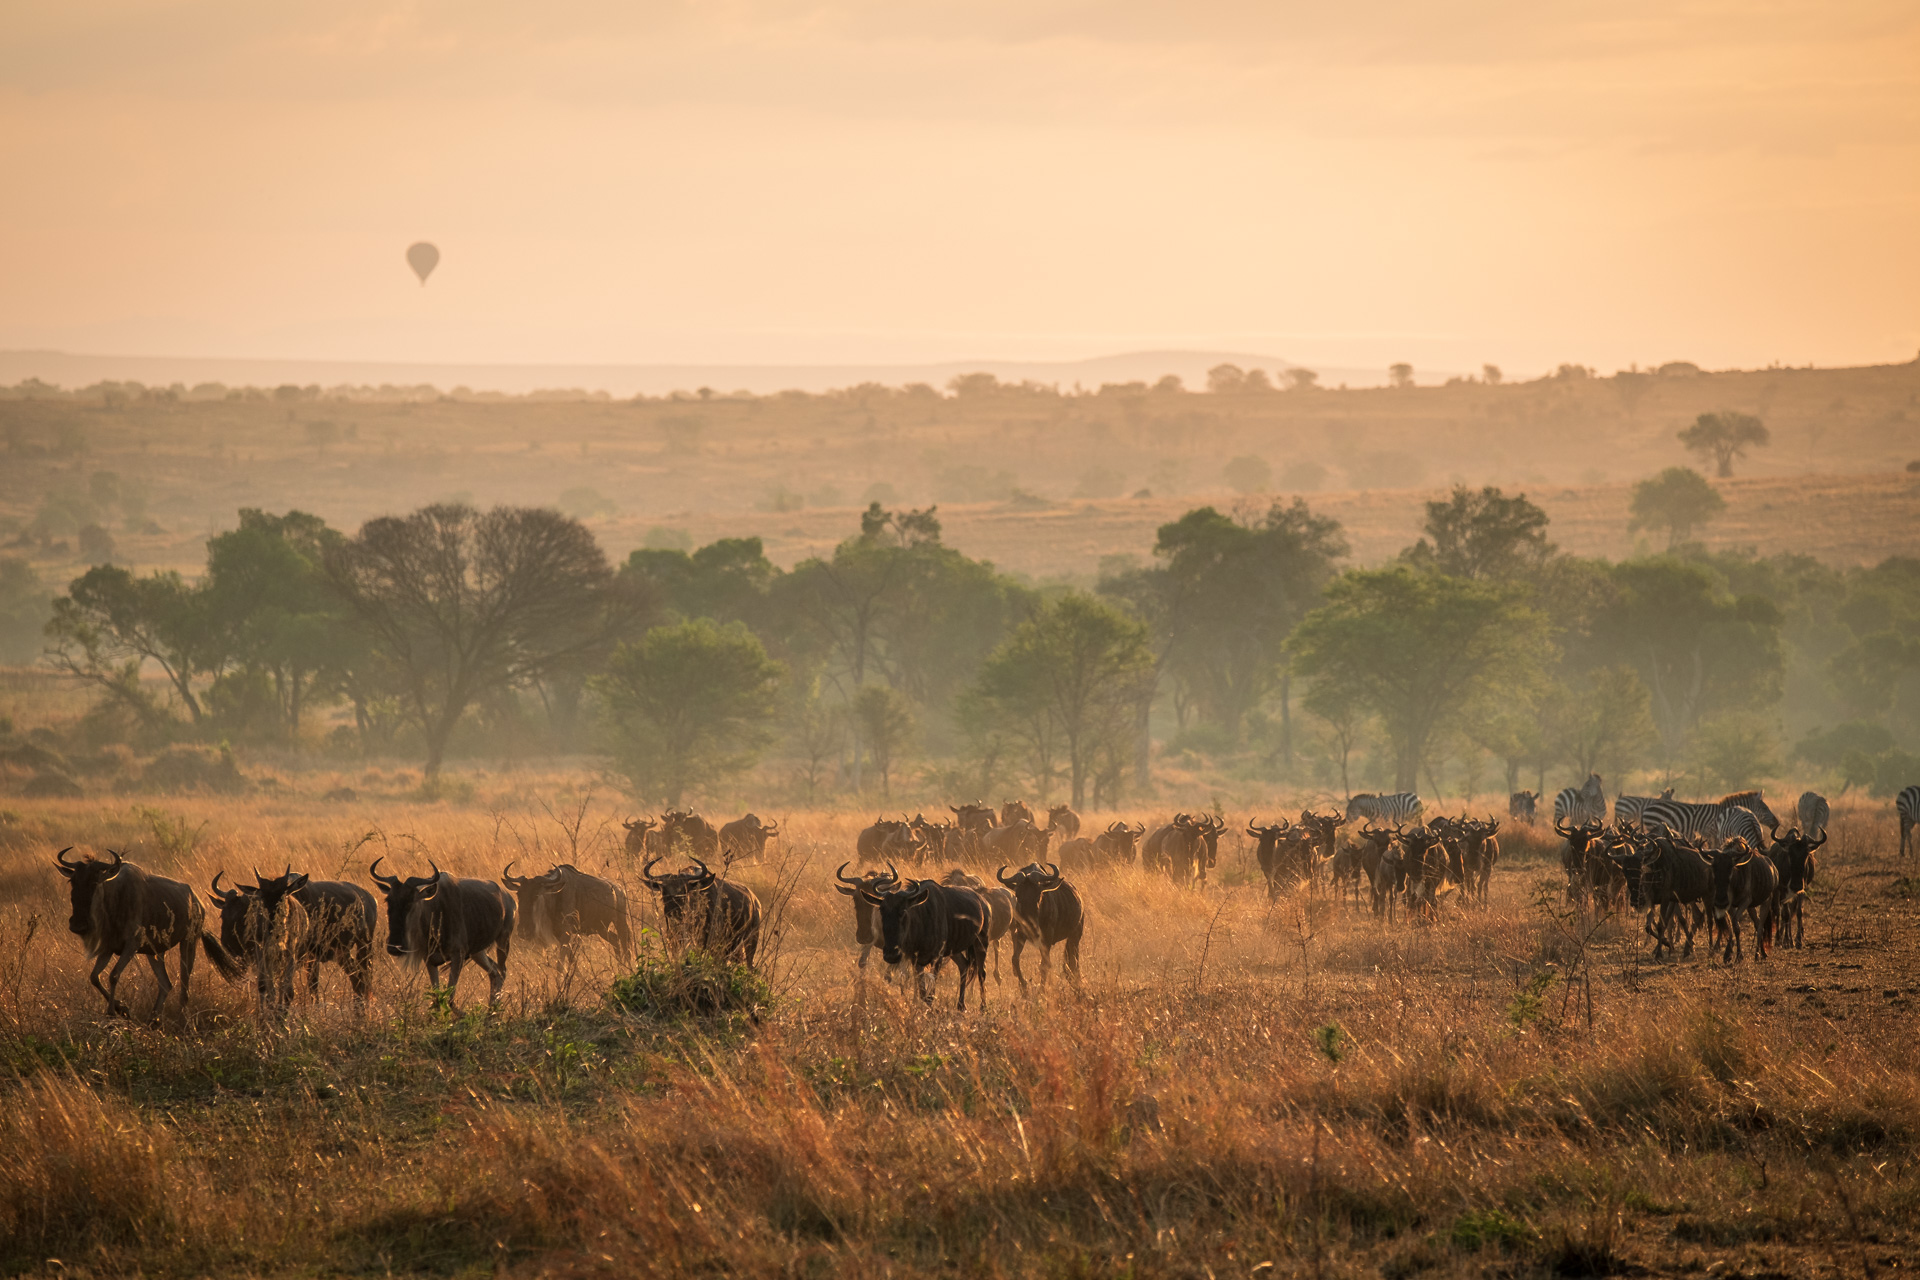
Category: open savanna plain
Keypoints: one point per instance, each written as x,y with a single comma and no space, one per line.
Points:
1236,1086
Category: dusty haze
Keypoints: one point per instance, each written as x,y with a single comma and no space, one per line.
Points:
791,183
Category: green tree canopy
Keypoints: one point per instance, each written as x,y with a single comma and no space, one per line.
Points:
1235,592
1677,500
1723,437
111,623
463,603
1484,535
1418,651
1700,650
687,706
1073,675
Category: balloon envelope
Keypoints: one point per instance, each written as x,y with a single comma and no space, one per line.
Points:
423,258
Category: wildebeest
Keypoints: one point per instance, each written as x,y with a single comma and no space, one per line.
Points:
723,917
341,923
1792,856
925,924
999,909
1118,843
264,925
1423,869
1584,860
121,909
443,920
974,820
1480,850
1813,813
1177,848
1285,859
1046,911
745,839
887,840
863,918
1017,839
1013,811
1523,806
684,828
1375,857
566,903
1063,821
1743,880
937,840
642,837
1676,881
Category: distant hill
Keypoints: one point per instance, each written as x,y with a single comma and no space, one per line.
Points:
66,369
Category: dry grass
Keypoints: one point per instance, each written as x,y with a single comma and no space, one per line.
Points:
1234,1084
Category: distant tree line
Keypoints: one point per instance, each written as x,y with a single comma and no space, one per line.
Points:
1245,646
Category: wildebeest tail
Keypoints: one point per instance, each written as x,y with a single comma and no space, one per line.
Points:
223,960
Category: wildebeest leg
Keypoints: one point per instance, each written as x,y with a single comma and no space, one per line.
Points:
923,983
158,962
113,979
1019,945
433,981
496,977
1046,961
1073,960
186,973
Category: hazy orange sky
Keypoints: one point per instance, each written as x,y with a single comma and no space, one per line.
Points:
1523,183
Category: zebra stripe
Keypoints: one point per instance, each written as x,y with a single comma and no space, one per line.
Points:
1813,814
1627,809
1751,801
1394,810
1738,821
1686,821
1581,805
1908,803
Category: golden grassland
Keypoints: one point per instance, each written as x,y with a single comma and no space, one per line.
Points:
1234,1084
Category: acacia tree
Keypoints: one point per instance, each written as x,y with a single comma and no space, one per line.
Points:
1076,668
1484,535
463,604
688,705
1418,651
111,623
1724,436
1236,591
1675,500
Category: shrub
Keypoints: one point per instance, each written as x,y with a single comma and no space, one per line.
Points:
185,768
693,985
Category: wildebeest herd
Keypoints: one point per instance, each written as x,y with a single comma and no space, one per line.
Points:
1685,865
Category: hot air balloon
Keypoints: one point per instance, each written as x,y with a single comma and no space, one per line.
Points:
423,258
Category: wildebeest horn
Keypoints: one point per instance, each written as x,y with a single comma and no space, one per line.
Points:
1001,876
61,858
374,871
646,872
706,873
437,872
216,892
1139,828
509,879
118,862
770,828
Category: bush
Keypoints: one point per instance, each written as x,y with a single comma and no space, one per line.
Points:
183,768
52,786
694,985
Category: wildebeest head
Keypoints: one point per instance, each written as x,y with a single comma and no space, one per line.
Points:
402,896
892,906
1030,884
637,834
857,888
85,878
1792,852
247,912
1521,805
533,892
1013,811
678,889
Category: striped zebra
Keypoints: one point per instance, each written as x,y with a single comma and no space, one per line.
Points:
1578,806
1627,809
1701,822
1813,814
1739,821
1908,803
1385,811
